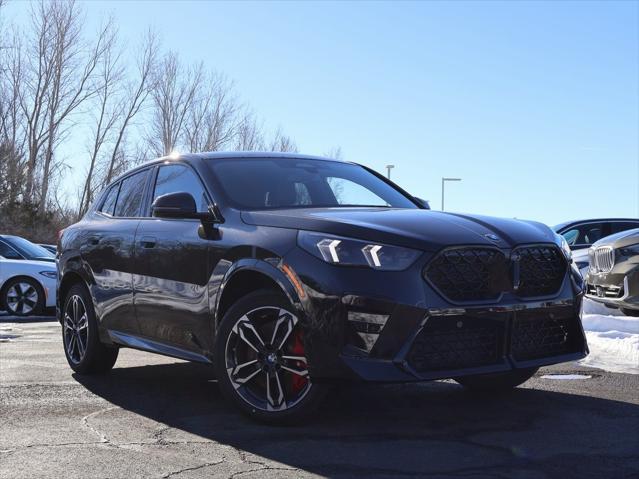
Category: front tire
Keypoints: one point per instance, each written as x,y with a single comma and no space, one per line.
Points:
82,347
260,360
22,296
497,381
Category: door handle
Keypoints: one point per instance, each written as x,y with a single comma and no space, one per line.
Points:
148,242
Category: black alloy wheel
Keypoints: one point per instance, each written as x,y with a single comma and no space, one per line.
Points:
261,359
82,347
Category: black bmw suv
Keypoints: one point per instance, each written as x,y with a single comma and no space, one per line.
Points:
289,272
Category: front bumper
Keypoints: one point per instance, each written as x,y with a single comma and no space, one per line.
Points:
459,342
618,288
49,286
393,327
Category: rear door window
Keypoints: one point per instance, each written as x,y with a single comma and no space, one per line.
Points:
129,202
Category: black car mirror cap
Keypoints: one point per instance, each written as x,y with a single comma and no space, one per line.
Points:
182,205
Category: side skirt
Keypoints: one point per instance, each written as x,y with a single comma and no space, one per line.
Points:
151,346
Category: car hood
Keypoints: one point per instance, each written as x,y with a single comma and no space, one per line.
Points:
29,264
414,228
619,240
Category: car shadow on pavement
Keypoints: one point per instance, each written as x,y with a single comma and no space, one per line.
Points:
433,428
45,318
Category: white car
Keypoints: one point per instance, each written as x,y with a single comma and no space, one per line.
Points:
27,286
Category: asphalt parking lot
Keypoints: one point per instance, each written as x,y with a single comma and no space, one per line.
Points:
159,417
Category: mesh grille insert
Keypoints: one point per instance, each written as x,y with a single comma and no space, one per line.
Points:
542,270
468,274
456,342
535,337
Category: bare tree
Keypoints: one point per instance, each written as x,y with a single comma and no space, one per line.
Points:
282,143
335,153
249,134
57,69
110,75
212,122
73,78
175,91
135,98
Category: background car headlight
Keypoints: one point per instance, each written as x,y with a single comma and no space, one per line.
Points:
49,274
352,252
565,247
628,251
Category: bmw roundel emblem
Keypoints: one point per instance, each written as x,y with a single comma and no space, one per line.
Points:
492,237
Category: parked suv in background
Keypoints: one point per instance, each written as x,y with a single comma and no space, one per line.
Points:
288,272
582,234
613,276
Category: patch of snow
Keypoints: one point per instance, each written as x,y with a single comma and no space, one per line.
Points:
613,339
566,376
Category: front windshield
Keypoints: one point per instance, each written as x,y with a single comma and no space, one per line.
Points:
300,183
28,249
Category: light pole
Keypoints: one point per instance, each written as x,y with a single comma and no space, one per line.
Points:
389,167
444,180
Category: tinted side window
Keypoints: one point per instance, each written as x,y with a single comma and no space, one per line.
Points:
8,252
129,201
619,226
179,178
584,234
108,205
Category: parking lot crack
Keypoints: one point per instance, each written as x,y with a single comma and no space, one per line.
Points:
192,468
100,434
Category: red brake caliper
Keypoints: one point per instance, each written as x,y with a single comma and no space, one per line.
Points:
298,382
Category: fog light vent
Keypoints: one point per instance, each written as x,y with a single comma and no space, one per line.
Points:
365,329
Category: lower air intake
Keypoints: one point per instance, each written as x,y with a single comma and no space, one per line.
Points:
535,337
456,342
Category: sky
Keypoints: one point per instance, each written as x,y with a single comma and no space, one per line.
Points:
534,105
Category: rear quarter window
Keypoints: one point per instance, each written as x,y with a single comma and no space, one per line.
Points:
108,205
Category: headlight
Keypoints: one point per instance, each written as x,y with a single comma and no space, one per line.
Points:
352,252
49,274
632,250
563,244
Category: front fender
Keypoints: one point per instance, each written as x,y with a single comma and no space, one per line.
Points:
272,268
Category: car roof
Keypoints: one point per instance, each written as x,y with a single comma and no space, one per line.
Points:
592,220
221,155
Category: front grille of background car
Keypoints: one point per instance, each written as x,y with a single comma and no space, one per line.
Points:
542,270
447,343
602,259
473,273
602,291
535,337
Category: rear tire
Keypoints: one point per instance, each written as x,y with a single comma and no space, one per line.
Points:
630,312
497,381
82,347
260,360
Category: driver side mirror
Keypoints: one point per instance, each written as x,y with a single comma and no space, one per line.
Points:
181,205
423,203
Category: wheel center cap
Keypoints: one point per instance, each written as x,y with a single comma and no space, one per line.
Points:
271,358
